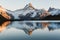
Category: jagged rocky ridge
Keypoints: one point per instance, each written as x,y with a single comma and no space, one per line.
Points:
30,13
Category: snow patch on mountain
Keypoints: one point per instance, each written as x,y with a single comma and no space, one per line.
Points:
54,11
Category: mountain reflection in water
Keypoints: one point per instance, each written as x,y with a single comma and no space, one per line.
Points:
29,27
4,25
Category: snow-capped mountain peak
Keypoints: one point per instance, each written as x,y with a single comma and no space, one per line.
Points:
54,11
29,6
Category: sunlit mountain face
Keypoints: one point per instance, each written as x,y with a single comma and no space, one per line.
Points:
4,13
29,27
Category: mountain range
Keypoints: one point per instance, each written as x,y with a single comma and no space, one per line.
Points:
31,13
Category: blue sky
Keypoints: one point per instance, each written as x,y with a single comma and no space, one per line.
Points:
39,4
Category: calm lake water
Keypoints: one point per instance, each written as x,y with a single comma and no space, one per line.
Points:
26,30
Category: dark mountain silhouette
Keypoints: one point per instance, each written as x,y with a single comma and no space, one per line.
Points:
50,17
2,19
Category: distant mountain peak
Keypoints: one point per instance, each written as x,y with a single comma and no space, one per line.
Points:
29,6
50,9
